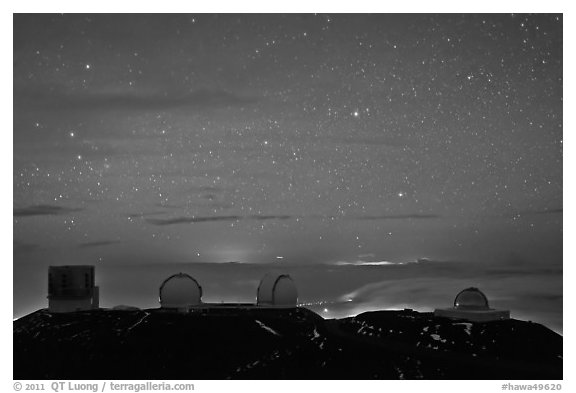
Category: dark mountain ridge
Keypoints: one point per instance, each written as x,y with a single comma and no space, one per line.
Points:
278,343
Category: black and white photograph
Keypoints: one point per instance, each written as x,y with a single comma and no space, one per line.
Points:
287,196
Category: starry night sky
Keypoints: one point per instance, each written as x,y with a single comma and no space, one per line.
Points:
316,144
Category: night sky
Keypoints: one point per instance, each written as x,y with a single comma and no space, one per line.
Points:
382,160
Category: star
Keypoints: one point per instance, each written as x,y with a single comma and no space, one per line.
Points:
257,127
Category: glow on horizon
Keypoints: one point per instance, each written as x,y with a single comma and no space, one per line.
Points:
369,263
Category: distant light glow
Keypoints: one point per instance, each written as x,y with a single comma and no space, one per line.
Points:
368,263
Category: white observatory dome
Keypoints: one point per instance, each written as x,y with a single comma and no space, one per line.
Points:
471,299
180,291
277,290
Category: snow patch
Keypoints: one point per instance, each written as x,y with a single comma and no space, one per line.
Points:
467,327
267,328
316,334
146,314
322,340
438,338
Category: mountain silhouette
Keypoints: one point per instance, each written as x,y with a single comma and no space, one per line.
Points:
278,343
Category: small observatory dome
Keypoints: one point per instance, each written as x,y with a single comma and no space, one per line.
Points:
277,290
180,291
471,299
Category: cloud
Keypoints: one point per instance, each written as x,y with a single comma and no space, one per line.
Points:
520,213
142,215
367,263
98,243
411,216
51,98
399,217
261,218
169,206
44,210
364,262
192,220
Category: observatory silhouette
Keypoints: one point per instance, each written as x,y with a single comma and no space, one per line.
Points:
277,290
471,304
71,288
180,291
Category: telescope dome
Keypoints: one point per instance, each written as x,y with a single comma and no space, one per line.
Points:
471,299
180,291
277,290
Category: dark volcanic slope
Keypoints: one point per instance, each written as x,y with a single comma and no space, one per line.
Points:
278,344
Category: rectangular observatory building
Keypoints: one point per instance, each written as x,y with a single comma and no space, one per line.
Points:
72,288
